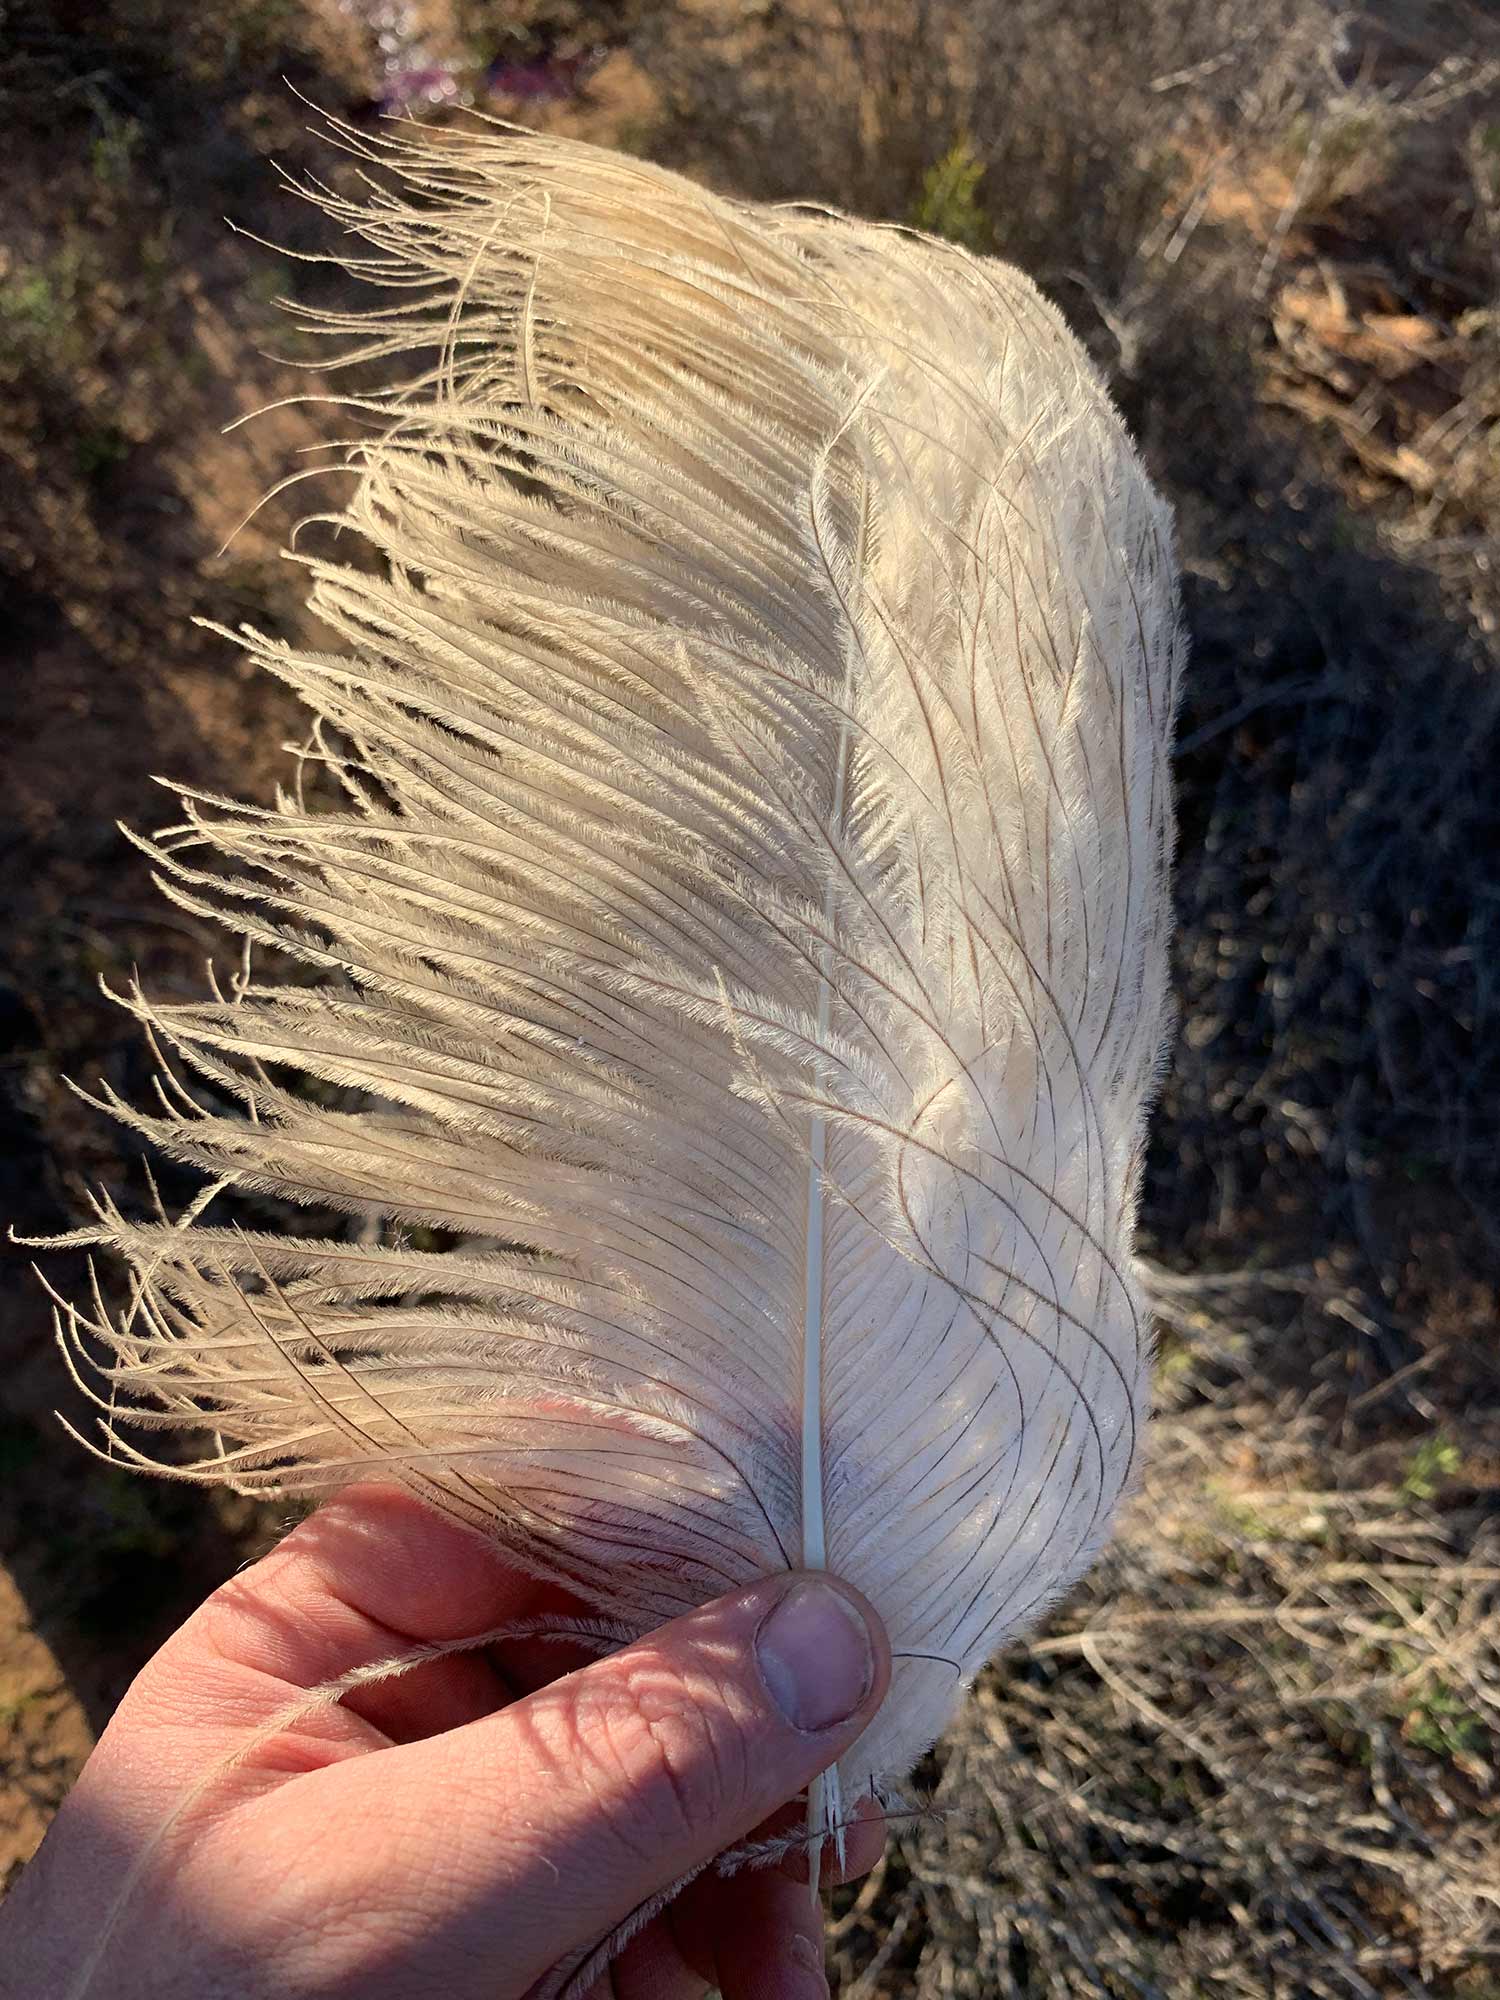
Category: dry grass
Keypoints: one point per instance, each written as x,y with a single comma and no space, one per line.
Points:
1256,1754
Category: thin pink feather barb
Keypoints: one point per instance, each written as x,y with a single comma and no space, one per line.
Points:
738,895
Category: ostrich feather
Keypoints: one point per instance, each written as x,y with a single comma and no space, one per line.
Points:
742,929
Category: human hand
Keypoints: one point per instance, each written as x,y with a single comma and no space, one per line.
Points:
459,1830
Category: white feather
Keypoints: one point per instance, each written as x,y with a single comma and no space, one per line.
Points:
746,930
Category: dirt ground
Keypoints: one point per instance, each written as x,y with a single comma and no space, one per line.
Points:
1257,1754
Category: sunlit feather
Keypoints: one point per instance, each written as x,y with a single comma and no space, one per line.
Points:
744,928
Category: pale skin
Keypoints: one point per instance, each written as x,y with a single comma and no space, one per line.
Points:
455,1832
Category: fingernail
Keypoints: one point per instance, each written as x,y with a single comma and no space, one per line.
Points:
813,1980
815,1656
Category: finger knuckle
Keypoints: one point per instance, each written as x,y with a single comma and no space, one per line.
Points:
670,1761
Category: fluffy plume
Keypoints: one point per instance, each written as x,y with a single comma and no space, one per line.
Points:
744,929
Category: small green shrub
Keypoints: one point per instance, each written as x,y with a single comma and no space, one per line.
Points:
949,204
1442,1723
99,448
114,149
1434,1460
43,320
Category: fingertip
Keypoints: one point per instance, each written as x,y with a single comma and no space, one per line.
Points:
817,1653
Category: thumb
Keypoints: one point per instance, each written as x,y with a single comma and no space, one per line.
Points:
562,1815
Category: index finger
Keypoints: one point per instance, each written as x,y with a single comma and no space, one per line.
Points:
367,1577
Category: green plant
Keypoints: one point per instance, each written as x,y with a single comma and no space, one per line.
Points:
1241,1521
949,203
1442,1723
42,309
127,1524
99,448
30,311
256,31
12,1710
1434,1460
114,148
1336,153
269,282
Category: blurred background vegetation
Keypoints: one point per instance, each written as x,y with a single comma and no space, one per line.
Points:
1256,1753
